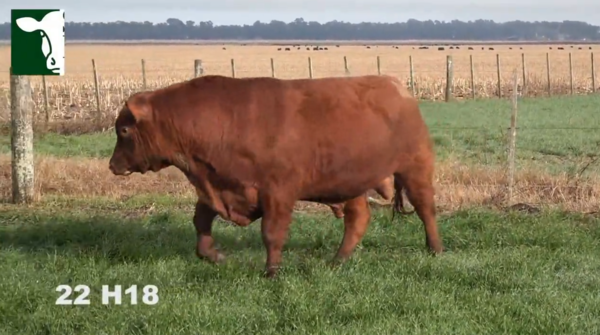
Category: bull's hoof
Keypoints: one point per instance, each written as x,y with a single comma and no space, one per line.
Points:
337,261
271,272
219,258
437,251
214,257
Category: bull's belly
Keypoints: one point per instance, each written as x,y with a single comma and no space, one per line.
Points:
342,187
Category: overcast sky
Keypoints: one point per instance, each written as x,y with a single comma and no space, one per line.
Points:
248,11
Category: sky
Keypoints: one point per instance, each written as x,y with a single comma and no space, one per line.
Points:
249,11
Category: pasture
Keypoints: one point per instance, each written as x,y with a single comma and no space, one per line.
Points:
530,268
503,273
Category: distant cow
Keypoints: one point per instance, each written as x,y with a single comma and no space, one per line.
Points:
51,28
249,157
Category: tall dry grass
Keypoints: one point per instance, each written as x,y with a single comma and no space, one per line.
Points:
119,69
458,185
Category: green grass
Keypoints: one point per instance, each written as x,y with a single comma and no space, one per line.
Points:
503,274
472,131
477,131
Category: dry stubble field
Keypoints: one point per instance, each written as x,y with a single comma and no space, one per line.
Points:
120,74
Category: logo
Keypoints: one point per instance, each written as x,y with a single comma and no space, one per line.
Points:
37,42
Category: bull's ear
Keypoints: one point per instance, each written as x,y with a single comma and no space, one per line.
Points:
140,108
27,24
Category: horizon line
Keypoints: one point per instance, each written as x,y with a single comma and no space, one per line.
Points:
330,21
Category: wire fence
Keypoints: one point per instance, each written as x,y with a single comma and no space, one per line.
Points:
93,87
555,154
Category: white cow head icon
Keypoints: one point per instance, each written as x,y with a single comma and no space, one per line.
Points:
51,27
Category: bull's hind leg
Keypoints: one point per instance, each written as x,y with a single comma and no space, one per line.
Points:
203,219
418,182
356,221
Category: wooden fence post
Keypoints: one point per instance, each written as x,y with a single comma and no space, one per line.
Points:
46,101
198,69
310,68
499,76
232,68
272,68
378,66
97,88
412,75
472,77
593,74
548,73
21,139
512,146
523,69
144,74
571,72
346,69
449,80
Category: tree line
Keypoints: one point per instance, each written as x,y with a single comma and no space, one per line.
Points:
299,29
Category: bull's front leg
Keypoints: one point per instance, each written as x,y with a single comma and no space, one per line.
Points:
277,216
203,219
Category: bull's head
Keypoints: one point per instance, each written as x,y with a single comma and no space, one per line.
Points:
138,147
52,30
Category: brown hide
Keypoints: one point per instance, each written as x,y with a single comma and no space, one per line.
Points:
252,147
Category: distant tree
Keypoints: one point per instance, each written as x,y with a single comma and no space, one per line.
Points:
478,30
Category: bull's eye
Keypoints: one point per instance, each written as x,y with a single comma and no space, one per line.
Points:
124,131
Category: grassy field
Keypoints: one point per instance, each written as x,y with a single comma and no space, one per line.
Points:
119,69
504,273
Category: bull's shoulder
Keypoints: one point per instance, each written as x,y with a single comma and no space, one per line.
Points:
378,82
398,85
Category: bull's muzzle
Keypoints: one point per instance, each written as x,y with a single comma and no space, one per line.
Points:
117,169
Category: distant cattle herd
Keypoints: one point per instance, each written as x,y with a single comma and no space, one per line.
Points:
423,47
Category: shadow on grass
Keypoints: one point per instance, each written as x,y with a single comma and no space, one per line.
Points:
153,237
171,235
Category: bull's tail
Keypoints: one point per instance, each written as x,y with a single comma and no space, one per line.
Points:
398,201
